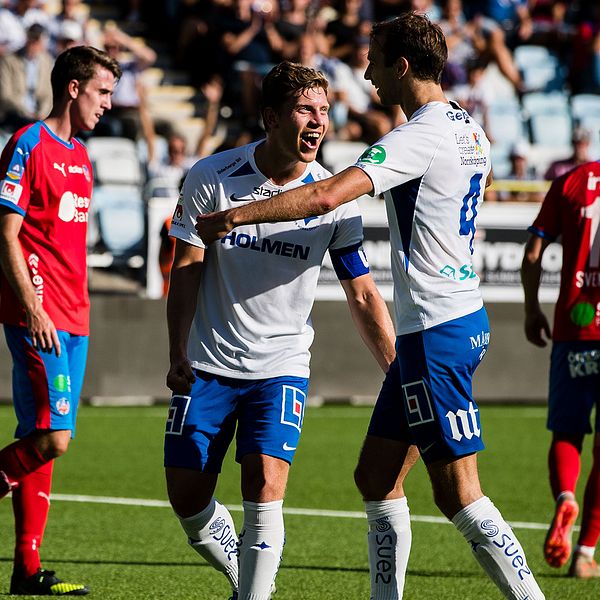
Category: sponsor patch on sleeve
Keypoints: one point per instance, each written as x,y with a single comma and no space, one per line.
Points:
11,191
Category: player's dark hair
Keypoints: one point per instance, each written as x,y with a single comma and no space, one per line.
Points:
79,63
287,80
418,40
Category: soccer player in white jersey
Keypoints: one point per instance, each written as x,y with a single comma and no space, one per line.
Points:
432,171
240,331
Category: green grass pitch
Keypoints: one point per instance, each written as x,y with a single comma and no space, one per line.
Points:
139,551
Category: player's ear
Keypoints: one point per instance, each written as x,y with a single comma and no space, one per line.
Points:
270,118
401,67
73,89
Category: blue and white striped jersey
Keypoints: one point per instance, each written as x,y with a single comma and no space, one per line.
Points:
432,171
258,284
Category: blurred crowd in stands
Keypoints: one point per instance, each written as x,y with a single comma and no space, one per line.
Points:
527,70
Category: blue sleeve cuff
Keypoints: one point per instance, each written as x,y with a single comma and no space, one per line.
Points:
349,262
541,233
12,206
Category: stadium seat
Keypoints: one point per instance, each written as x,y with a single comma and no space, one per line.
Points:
505,122
119,211
538,103
115,160
551,129
539,68
585,105
500,160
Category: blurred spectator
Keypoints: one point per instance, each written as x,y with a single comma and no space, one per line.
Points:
366,119
129,116
342,32
520,171
69,25
427,7
68,34
480,37
31,11
511,15
12,32
198,35
475,96
581,142
384,9
25,91
178,161
251,43
294,21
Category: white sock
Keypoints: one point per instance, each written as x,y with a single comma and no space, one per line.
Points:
389,541
211,533
497,550
585,550
261,545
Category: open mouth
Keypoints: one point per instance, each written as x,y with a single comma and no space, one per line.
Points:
311,139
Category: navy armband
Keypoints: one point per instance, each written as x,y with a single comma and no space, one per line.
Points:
350,262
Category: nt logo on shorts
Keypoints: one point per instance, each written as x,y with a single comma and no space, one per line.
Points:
292,406
464,423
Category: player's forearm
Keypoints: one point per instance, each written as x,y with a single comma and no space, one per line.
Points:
531,273
181,307
18,276
374,324
305,201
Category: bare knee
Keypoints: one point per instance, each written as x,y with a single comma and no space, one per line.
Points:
189,491
372,483
264,478
52,444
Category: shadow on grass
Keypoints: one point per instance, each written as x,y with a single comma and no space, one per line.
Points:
195,565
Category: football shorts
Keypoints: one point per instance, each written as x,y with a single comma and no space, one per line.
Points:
46,388
574,386
426,398
267,413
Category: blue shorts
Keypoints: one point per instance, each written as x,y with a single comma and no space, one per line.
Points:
426,398
46,388
268,414
574,386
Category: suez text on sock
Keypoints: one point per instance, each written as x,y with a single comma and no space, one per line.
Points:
508,545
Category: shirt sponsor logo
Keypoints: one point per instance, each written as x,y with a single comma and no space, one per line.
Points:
15,171
11,191
266,245
73,208
375,155
464,272
582,314
458,115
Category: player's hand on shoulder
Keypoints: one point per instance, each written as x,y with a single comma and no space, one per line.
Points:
42,331
213,226
180,376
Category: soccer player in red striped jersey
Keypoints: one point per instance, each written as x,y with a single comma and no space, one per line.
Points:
45,191
570,210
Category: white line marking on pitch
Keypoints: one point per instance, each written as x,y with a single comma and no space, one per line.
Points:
307,512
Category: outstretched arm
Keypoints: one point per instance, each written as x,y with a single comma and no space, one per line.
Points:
537,329
371,318
309,200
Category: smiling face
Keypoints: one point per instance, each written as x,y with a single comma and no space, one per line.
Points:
301,124
91,99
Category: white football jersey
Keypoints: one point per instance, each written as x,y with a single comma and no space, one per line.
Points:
258,283
432,171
